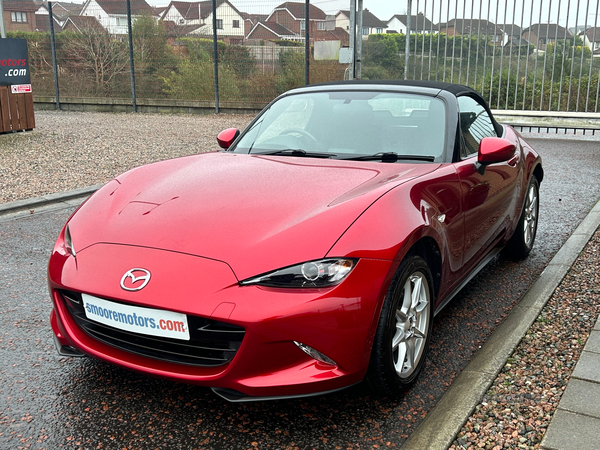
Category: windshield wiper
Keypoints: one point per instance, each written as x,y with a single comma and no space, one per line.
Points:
296,152
391,157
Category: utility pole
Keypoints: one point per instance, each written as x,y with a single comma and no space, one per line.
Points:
407,47
359,41
352,38
2,30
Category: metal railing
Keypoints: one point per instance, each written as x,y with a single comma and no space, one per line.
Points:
541,55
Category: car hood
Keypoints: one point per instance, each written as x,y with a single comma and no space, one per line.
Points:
255,213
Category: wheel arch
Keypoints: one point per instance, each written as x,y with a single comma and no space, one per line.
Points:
428,249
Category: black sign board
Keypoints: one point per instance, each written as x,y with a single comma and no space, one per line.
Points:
14,62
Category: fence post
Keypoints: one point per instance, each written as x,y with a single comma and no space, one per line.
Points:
2,30
215,54
53,50
359,40
307,43
131,64
352,39
407,40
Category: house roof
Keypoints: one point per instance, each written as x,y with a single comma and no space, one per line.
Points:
20,5
337,34
83,22
174,30
418,22
370,20
511,29
297,10
593,34
188,10
254,18
552,30
42,23
62,10
472,26
138,7
275,28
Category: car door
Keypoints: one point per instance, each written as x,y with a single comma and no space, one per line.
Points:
489,198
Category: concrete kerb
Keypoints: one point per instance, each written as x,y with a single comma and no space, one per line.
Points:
45,200
439,428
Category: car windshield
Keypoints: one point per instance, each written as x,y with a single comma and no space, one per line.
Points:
366,125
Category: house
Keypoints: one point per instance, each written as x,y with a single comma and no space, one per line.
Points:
591,39
230,21
474,27
80,24
418,24
42,23
542,34
19,15
61,11
513,32
250,20
371,24
112,14
270,31
291,15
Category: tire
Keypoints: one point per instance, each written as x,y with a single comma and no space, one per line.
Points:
521,242
404,329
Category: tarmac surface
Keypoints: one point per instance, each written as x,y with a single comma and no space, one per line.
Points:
49,402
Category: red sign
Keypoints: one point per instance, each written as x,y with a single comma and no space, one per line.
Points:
20,88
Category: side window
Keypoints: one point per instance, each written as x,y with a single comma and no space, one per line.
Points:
475,124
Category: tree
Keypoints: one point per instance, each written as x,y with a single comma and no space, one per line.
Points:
97,56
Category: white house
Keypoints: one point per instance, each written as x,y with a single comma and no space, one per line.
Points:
371,24
591,39
61,11
230,22
418,24
112,14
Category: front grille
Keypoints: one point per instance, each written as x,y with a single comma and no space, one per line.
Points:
211,343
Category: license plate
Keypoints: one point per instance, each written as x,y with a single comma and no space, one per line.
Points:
154,322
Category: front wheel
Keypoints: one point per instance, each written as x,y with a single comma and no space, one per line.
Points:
521,242
404,329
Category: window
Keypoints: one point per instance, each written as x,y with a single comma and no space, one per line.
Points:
321,26
121,21
17,16
379,30
236,24
475,124
365,31
302,25
219,24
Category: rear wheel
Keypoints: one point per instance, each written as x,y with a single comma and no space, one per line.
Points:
404,329
521,242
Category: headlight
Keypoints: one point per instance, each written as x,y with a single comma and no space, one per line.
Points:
69,241
311,274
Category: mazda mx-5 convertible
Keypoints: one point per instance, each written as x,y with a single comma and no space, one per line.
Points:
311,253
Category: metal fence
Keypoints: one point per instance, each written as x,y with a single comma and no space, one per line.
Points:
541,55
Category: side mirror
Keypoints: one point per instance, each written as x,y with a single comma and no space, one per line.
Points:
226,137
493,150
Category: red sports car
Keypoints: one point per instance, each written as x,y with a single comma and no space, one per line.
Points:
311,253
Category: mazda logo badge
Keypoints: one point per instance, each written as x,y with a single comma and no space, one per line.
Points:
132,278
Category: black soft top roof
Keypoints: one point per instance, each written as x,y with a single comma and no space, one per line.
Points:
456,89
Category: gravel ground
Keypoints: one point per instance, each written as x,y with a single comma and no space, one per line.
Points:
71,150
518,407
